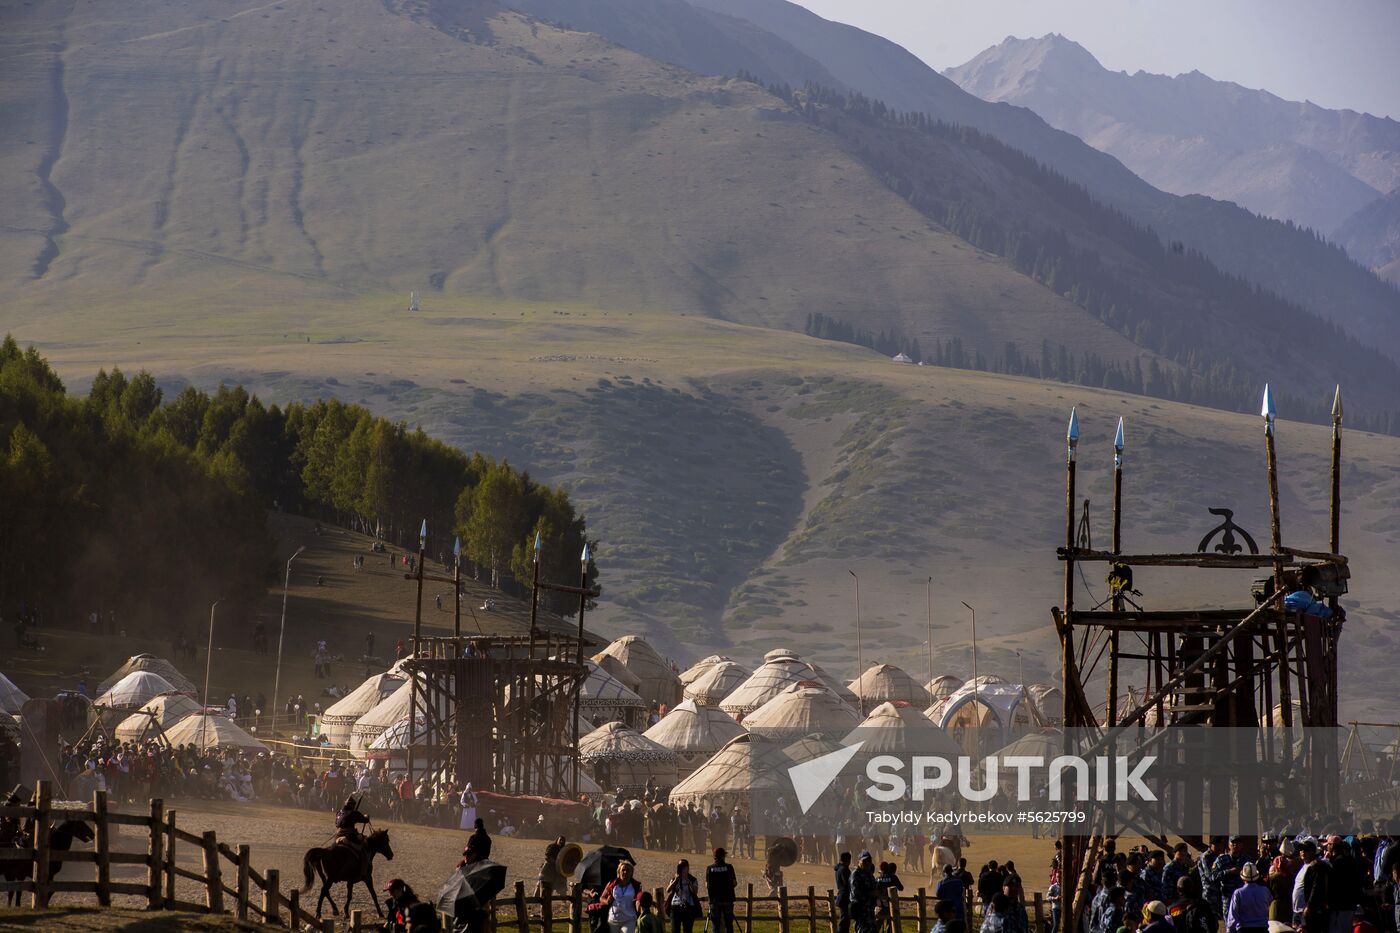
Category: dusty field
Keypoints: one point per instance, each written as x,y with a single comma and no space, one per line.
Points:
425,856
84,919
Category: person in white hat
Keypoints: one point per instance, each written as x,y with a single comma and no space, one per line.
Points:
1249,905
1155,920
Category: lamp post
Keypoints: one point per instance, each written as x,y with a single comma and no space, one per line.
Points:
208,657
928,595
860,654
417,637
281,632
976,687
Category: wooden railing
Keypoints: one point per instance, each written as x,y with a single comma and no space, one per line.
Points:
230,884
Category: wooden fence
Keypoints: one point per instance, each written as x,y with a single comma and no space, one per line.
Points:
230,884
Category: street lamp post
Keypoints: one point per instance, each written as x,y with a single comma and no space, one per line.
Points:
860,654
208,658
928,593
976,687
282,631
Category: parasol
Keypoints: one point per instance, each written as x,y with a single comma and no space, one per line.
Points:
471,888
599,866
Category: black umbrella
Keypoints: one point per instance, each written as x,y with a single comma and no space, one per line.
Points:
599,867
471,887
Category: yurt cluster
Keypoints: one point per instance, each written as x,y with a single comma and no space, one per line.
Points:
690,732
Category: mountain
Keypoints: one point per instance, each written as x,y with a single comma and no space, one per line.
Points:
1191,134
1279,256
1372,235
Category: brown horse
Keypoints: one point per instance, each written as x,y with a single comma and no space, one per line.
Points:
60,840
340,862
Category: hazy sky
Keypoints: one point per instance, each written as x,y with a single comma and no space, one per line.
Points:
1336,53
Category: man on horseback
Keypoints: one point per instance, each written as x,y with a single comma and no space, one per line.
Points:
346,821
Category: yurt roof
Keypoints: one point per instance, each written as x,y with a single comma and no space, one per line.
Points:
135,690
1046,743
615,742
206,730
882,682
834,685
731,771
801,708
999,697
768,681
690,729
943,685
782,654
1048,700
395,738
388,710
640,657
149,662
11,697
602,689
349,708
701,666
811,746
900,729
716,683
618,671
168,709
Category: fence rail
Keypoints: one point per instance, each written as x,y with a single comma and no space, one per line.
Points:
254,896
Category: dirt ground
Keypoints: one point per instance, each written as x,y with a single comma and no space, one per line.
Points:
426,856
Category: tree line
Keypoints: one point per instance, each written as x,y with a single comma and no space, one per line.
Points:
125,501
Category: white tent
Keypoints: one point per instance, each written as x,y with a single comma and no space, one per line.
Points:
986,714
619,672
392,744
603,696
383,715
943,685
135,690
834,685
338,721
801,709
166,709
11,697
733,775
211,730
660,685
900,729
694,732
885,682
1049,702
779,671
701,666
617,757
716,683
149,662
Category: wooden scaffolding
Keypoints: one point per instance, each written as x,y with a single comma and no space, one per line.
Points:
1258,666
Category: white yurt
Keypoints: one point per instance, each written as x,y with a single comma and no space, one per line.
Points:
883,683
812,746
732,776
801,709
901,729
618,670
391,745
1047,744
134,691
780,670
943,685
834,684
380,717
338,721
694,732
618,757
211,730
603,697
166,710
11,697
985,714
149,662
1049,702
688,675
716,683
660,685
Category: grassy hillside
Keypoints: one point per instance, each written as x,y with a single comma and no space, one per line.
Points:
733,474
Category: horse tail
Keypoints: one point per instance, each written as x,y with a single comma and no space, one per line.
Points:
307,877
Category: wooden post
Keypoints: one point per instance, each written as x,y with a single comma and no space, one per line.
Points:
294,909
748,911
923,910
783,909
811,909
831,908
39,897
155,854
576,908
244,866
357,920
895,917
213,875
272,896
170,859
547,909
327,925
103,847
1039,907
522,912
